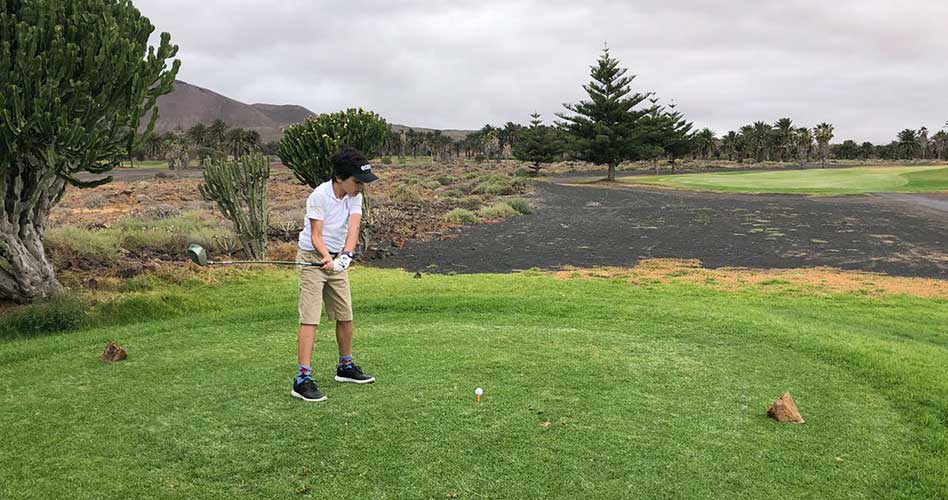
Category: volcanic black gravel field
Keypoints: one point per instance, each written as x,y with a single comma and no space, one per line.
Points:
895,234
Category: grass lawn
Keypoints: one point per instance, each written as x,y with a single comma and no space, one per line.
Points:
594,388
810,181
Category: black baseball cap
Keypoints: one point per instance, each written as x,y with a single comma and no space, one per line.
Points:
349,162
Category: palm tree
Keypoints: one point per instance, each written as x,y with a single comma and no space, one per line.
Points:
760,140
198,135
705,143
251,141
745,142
216,134
823,133
940,142
804,141
236,141
730,144
908,143
783,137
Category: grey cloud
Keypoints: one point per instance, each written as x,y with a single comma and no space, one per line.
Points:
869,67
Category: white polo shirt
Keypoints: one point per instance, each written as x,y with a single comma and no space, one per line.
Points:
323,205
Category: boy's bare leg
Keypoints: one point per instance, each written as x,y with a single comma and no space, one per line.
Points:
344,337
305,347
347,371
303,386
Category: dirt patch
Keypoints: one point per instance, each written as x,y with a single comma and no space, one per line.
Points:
820,279
408,203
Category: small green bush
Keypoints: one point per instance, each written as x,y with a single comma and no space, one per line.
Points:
524,172
461,216
499,185
432,185
472,202
62,313
520,205
386,160
499,210
405,194
444,180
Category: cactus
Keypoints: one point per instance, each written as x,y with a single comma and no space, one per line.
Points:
240,190
307,147
77,80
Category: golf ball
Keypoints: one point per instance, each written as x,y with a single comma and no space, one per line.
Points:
478,391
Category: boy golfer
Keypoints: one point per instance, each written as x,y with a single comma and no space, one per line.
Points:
329,236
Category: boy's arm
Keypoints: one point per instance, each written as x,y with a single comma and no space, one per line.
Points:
316,230
352,237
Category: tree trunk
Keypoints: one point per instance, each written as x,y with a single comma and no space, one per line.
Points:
612,171
26,273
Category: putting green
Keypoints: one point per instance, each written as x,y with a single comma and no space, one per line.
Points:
812,181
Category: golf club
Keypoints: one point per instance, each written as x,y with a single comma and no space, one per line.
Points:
199,256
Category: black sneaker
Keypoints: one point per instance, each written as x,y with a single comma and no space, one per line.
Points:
307,391
352,373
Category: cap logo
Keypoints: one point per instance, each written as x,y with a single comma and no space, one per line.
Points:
366,167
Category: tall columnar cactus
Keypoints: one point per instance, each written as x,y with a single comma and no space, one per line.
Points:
307,147
240,190
77,78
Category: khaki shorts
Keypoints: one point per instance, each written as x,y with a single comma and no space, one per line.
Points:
318,286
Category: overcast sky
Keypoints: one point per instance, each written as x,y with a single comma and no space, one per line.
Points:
870,67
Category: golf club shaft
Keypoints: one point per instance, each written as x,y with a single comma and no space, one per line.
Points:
283,262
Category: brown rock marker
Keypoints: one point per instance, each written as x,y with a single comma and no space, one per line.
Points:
785,410
113,353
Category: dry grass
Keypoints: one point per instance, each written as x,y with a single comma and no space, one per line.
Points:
808,280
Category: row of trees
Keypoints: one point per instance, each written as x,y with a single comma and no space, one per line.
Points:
760,141
909,144
202,142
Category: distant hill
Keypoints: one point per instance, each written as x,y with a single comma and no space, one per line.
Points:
187,105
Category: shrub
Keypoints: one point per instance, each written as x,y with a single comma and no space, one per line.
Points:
520,205
499,210
432,185
386,160
472,202
162,211
405,194
499,185
461,216
524,172
444,180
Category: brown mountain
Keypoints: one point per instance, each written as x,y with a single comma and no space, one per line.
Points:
187,105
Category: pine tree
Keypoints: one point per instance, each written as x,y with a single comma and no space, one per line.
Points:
537,144
608,129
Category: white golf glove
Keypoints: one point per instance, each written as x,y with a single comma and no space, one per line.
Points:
341,263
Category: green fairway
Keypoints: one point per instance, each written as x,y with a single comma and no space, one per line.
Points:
812,181
593,389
